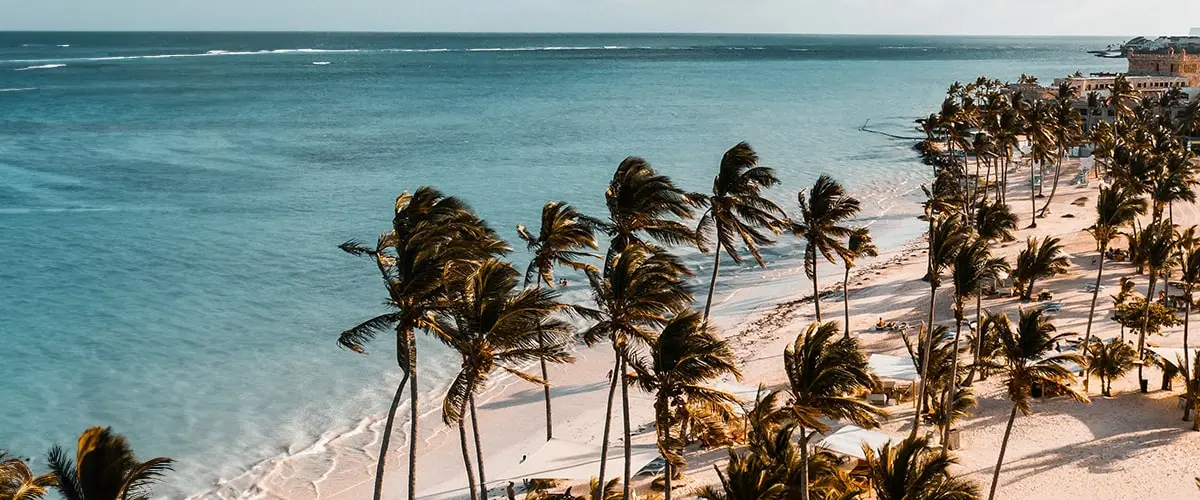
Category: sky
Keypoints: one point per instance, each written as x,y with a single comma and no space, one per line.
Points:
973,17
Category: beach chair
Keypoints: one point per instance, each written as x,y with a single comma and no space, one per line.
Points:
654,468
1052,307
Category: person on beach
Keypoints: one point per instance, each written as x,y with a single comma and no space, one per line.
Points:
512,493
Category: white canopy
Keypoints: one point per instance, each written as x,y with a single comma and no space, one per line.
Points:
1174,354
849,440
893,367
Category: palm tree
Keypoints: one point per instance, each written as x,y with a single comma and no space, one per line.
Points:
17,481
1110,360
771,469
1189,267
1119,95
429,230
644,287
1115,208
564,235
686,355
858,245
1038,260
1065,132
822,211
974,267
639,202
1029,360
823,373
738,211
1158,247
494,326
105,468
946,235
910,470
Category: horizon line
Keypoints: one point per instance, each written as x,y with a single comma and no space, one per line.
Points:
447,32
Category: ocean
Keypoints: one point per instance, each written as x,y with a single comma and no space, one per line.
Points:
171,203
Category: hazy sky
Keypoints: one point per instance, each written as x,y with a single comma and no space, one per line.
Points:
1002,17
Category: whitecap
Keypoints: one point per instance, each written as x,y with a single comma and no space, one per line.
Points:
320,63
18,89
64,45
44,66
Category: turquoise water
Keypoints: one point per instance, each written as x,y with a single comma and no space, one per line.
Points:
170,204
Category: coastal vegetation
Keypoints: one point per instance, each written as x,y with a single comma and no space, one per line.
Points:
448,274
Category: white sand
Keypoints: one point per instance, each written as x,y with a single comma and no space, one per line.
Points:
1130,446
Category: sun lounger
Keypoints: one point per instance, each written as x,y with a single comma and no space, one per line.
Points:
654,468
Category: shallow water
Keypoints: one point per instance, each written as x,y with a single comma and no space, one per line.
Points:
170,204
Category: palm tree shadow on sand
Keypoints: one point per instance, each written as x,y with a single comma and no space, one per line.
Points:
534,395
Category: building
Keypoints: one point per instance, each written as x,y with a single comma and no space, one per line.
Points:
1165,56
1104,81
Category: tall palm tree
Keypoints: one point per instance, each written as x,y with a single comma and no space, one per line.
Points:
18,482
1189,267
823,209
995,222
686,355
946,235
1029,360
738,211
859,245
429,230
105,468
910,470
563,240
973,267
1039,129
493,324
640,202
1066,132
1120,94
1158,247
1115,208
823,373
643,288
1037,260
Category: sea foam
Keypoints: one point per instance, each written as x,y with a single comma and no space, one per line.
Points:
44,66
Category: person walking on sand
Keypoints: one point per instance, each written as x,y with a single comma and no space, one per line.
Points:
512,493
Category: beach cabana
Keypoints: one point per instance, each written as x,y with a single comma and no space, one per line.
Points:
849,441
890,367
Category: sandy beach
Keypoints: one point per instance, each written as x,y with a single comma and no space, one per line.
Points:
1129,445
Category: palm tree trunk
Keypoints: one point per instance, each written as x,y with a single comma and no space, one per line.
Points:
1003,446
846,299
664,435
952,385
1033,202
1087,335
978,348
466,453
925,364
1145,325
628,435
612,390
483,492
387,437
413,415
816,291
546,378
712,284
1054,188
1187,379
804,462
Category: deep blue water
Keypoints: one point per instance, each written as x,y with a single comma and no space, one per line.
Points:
170,204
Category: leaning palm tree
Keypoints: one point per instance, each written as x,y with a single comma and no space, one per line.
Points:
641,202
945,237
494,325
643,288
1158,247
1067,132
1039,260
738,211
822,212
105,468
910,470
563,240
428,231
823,374
973,267
687,354
995,222
18,482
1109,360
1115,208
1030,359
859,245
